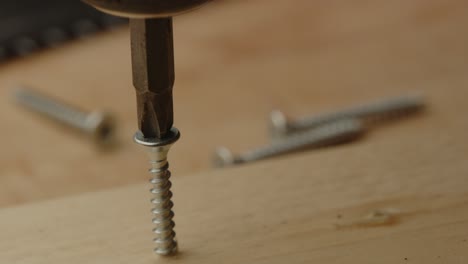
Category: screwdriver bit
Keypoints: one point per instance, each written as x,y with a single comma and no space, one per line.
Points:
153,74
152,56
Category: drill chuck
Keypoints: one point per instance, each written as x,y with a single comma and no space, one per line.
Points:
145,8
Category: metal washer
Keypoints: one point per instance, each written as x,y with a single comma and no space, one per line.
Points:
169,139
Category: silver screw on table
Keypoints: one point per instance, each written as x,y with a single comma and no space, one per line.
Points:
158,149
326,135
98,125
281,127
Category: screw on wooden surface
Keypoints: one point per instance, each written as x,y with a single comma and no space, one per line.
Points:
371,113
153,78
158,149
333,133
98,125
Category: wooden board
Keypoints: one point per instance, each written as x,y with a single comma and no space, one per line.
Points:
237,60
387,199
397,196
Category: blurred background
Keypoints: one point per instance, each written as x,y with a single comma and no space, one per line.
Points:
236,61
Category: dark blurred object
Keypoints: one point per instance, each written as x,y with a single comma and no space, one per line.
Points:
29,25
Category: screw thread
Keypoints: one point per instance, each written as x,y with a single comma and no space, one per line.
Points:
162,204
328,134
369,113
52,108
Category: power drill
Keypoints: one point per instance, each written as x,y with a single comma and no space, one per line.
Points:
153,78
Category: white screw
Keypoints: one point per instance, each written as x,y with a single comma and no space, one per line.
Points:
281,126
329,134
99,125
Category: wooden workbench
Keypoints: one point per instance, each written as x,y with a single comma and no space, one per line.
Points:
400,195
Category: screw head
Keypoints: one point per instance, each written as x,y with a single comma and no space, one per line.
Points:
102,126
168,140
278,124
223,157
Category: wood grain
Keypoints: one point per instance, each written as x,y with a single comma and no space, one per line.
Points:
236,61
305,208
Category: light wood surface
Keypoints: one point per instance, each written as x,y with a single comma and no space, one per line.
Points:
386,200
397,196
236,61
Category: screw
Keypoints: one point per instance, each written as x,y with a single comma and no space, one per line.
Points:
158,149
100,126
370,113
334,133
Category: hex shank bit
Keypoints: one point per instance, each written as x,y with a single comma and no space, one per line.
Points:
153,74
